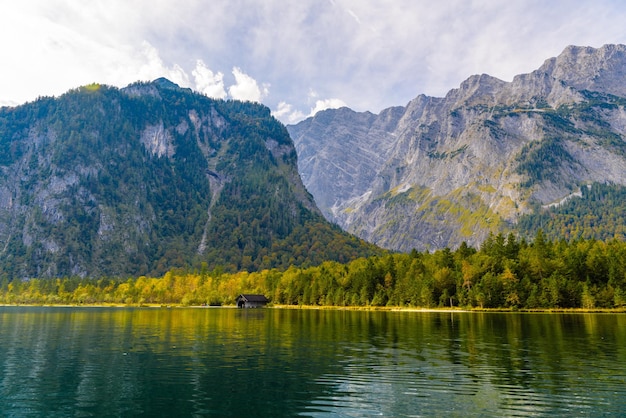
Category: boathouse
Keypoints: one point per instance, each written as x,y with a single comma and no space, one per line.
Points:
251,301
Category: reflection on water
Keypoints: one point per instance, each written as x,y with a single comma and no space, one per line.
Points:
486,364
271,362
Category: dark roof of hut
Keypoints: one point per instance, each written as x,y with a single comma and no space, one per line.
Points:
253,298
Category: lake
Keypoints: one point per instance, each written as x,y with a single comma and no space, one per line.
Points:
82,362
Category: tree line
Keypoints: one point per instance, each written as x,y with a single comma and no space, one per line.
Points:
505,272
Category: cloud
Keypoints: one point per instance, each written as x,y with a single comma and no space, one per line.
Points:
290,115
327,104
246,87
371,54
207,82
287,114
150,66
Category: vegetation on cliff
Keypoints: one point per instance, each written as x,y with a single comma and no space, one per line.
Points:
127,182
597,212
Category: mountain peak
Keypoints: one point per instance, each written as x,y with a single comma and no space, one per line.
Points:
586,68
165,83
153,88
477,88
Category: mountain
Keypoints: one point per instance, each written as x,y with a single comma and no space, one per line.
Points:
441,171
104,181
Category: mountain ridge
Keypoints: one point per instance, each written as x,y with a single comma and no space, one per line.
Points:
459,167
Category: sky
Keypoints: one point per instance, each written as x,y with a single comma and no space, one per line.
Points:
295,56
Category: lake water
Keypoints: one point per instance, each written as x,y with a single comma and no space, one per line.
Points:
82,362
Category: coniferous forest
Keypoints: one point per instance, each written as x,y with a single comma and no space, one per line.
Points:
504,272
598,213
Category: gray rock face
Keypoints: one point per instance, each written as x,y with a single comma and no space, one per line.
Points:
339,153
441,171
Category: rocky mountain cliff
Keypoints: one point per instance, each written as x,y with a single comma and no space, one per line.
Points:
114,182
441,171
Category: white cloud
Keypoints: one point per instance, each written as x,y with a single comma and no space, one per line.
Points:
356,18
246,87
150,66
287,114
207,82
327,104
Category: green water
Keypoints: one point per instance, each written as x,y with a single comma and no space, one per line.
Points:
226,362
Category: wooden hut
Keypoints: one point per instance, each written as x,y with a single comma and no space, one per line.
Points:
251,301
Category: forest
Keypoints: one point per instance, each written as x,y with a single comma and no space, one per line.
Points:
599,213
504,273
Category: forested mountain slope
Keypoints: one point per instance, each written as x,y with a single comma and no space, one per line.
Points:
106,181
441,171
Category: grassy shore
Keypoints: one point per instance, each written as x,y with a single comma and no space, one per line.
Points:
331,307
447,309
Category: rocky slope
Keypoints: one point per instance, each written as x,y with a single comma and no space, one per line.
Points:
440,171
114,182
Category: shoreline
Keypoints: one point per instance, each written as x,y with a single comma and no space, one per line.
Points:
453,310
328,308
